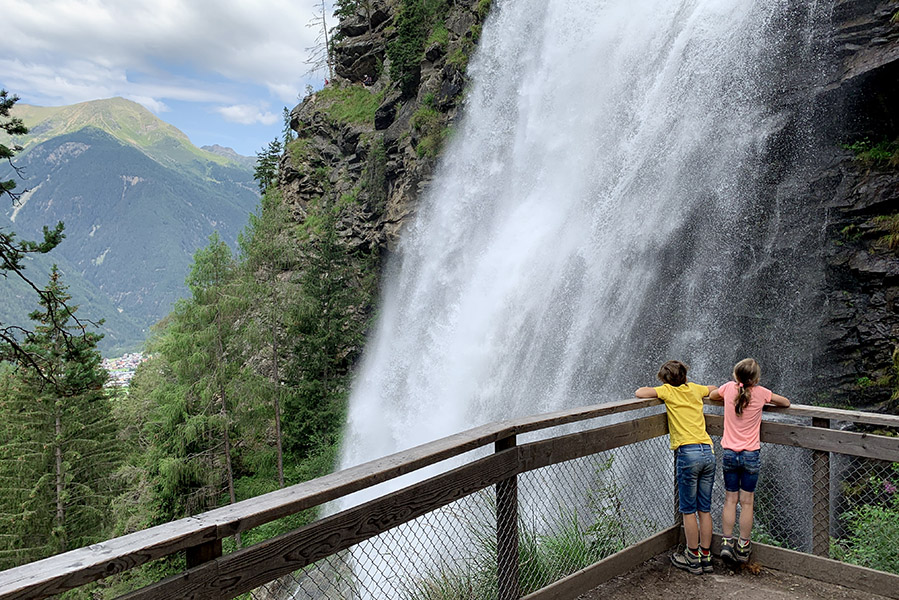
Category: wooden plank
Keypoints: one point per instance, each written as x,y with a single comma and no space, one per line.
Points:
621,562
576,445
866,445
247,569
822,569
263,509
62,572
832,414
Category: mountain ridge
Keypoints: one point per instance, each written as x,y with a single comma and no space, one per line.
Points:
137,199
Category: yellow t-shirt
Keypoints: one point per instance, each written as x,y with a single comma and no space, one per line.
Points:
686,423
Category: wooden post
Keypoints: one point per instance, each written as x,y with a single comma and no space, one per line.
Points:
507,531
197,555
821,496
678,518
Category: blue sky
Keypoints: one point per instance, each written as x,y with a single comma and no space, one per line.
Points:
221,71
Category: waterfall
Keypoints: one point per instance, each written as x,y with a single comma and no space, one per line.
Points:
620,191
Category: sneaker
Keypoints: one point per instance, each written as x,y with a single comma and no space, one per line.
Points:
706,561
687,561
727,549
741,552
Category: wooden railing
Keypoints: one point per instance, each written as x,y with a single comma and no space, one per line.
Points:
213,575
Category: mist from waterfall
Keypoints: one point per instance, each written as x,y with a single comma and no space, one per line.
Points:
613,197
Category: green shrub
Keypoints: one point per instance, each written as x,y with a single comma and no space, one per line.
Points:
873,526
414,24
429,123
483,9
881,154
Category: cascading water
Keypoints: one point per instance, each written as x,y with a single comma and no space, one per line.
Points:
617,194
610,200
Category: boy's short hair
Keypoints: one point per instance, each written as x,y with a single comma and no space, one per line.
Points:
673,372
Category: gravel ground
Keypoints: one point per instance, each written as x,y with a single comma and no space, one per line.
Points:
657,579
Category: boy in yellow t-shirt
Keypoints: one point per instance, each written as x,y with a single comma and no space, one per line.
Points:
694,460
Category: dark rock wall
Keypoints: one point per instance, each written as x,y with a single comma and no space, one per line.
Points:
860,331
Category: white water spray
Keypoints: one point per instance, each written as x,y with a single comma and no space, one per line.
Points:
580,228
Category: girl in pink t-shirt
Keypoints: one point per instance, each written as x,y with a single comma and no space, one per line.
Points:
743,401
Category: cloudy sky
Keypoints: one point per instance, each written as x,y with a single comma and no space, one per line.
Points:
219,70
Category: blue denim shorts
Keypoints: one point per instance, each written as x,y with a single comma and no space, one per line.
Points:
695,467
741,469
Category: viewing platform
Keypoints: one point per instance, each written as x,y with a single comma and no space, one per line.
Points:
574,504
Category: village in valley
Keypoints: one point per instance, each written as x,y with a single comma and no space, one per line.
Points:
121,369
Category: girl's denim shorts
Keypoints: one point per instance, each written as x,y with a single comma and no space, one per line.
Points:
741,469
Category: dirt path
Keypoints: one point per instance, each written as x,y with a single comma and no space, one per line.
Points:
657,579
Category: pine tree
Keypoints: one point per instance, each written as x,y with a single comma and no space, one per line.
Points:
193,425
13,251
336,286
58,447
270,261
266,170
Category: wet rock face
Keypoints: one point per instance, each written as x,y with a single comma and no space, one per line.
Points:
860,332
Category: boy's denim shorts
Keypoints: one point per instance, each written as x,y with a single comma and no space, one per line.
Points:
741,469
695,467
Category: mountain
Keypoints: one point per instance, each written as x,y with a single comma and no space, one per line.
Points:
137,198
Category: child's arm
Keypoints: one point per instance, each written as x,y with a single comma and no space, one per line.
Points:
778,400
715,395
646,392
713,389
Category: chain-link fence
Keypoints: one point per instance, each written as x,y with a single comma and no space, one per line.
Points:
573,514
570,515
526,532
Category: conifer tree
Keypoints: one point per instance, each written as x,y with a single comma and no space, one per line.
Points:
270,261
336,286
58,446
194,419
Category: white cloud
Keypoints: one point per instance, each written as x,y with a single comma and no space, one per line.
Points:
75,50
247,114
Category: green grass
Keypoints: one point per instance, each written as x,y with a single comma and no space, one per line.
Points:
350,104
429,123
889,225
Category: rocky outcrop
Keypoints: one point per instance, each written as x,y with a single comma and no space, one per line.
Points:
377,162
860,189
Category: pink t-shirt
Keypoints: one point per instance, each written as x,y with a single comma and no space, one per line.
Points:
741,432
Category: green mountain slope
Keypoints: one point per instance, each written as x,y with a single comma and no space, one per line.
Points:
127,121
137,202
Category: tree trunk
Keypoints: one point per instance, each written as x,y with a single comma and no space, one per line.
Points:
277,380
60,485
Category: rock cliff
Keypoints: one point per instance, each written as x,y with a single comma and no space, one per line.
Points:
858,183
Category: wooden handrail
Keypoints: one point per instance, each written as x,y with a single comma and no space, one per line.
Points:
79,567
66,571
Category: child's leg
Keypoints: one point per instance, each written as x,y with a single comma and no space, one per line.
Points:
746,507
706,481
729,513
691,531
705,529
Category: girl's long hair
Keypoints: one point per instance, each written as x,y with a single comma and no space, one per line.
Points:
747,372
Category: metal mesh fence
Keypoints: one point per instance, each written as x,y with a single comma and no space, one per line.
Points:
573,514
570,515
